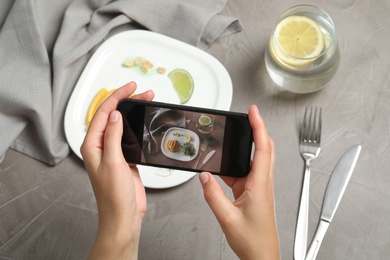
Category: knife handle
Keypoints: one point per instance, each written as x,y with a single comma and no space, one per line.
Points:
317,240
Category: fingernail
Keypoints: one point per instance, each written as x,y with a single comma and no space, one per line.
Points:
204,178
114,116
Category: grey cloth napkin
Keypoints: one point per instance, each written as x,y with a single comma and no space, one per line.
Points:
44,46
159,121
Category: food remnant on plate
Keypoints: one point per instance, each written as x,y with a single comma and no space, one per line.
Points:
161,70
186,136
164,174
181,79
128,63
188,149
148,64
144,69
173,146
143,64
138,61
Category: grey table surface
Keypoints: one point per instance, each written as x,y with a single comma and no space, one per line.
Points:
50,212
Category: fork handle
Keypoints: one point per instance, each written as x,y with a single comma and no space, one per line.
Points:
300,245
197,162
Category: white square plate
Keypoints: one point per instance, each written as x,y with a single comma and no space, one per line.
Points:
212,86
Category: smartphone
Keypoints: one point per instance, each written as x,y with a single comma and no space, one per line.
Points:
186,138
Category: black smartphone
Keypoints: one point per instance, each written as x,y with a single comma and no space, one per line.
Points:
186,138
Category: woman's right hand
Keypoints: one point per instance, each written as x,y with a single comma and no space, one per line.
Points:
249,222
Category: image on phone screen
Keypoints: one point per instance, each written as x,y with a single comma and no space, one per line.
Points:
183,139
186,138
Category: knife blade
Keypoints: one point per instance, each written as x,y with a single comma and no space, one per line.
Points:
207,157
334,192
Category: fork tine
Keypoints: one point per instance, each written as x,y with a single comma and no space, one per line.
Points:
313,132
307,124
311,126
319,126
303,135
316,126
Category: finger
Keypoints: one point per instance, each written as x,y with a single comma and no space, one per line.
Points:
110,104
263,154
147,96
236,184
112,101
215,197
91,149
140,192
272,158
230,181
112,139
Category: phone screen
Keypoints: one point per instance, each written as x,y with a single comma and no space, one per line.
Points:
186,138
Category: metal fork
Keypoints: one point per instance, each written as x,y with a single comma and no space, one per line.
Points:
203,148
310,147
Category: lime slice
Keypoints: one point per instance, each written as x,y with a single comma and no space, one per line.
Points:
300,40
183,84
187,137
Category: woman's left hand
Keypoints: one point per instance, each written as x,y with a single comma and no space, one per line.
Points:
118,189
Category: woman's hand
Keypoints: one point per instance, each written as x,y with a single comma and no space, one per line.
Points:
119,192
249,223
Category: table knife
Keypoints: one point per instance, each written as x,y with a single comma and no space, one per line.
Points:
208,156
334,192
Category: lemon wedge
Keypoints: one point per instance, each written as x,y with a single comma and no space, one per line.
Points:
99,98
299,41
96,101
182,83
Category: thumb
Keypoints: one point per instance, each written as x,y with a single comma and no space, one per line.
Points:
113,137
215,196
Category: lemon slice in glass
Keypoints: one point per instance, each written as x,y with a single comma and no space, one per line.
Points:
204,120
299,41
183,84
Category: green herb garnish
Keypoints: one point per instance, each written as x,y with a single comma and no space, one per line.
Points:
188,149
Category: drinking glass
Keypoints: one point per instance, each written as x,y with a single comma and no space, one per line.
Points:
303,73
205,124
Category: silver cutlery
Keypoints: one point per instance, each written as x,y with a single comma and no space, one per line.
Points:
203,148
310,147
207,158
334,192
